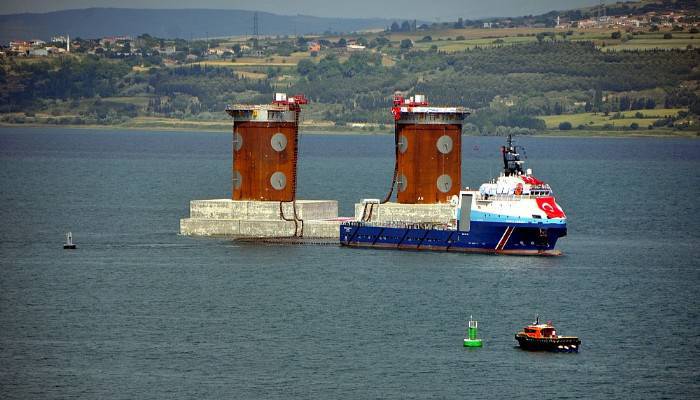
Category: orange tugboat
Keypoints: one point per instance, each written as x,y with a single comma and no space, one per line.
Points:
544,337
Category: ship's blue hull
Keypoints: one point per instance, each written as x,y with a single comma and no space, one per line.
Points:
483,237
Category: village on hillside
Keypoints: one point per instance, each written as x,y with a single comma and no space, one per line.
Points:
173,51
520,75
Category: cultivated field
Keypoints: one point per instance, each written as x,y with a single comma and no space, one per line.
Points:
600,120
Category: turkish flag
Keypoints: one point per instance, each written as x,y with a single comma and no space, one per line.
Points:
550,207
397,113
531,180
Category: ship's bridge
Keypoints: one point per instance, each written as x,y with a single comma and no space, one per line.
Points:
515,185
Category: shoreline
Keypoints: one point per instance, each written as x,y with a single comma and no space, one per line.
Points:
317,130
313,130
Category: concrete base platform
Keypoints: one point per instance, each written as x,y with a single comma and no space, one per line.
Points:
261,219
412,213
262,210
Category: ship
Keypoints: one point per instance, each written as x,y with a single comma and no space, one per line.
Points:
543,337
515,214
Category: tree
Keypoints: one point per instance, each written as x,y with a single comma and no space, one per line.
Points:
405,26
624,103
565,126
305,66
668,35
638,104
616,35
273,72
406,44
459,24
395,27
598,100
382,41
558,109
634,126
694,107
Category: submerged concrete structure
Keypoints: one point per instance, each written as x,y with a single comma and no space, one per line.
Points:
264,154
263,202
428,150
245,219
428,166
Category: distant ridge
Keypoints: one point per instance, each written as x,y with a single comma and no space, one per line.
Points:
180,23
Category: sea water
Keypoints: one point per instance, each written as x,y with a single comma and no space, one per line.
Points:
138,311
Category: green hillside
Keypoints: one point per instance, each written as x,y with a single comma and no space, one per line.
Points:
523,80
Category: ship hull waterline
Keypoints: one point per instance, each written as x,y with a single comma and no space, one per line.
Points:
560,344
490,239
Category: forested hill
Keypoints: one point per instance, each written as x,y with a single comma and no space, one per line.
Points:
100,22
510,87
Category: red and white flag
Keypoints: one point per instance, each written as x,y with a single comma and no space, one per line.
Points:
531,180
550,207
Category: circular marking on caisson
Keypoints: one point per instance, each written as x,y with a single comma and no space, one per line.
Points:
278,141
403,144
444,144
237,141
278,180
237,180
444,183
401,183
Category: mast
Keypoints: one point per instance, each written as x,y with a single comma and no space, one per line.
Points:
512,165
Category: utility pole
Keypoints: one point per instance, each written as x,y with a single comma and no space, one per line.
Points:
256,31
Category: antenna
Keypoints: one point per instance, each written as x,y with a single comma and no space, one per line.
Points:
256,30
603,9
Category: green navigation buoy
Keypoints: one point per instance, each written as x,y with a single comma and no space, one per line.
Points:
470,340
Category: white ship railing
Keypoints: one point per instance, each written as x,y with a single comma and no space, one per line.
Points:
510,197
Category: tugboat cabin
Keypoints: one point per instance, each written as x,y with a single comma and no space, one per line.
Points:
540,331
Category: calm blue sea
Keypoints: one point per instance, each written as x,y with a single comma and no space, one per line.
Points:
138,312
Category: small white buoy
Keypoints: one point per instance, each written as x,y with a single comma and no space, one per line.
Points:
69,242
